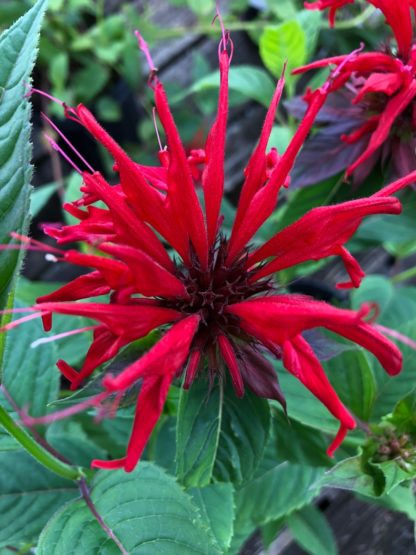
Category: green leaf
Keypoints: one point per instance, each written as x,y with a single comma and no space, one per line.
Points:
311,531
90,80
244,433
70,440
397,311
298,443
72,193
401,499
252,82
29,495
349,474
216,504
310,22
197,433
72,349
351,375
58,70
40,197
280,138
284,43
277,493
284,9
29,374
146,509
18,49
303,406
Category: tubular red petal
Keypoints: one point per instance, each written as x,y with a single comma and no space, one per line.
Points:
321,232
125,220
229,356
167,356
104,347
256,168
280,318
149,278
332,5
387,83
365,62
148,203
393,109
129,321
300,360
82,287
192,368
399,18
181,197
150,404
213,174
264,201
115,273
108,465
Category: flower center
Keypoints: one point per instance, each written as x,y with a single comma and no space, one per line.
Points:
212,290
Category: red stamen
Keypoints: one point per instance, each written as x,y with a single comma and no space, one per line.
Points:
145,49
44,340
28,420
31,244
56,128
156,129
56,147
46,95
16,323
397,335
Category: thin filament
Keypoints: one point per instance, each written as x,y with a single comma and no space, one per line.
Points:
68,142
62,335
56,147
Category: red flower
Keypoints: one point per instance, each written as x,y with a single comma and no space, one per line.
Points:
332,5
213,295
384,87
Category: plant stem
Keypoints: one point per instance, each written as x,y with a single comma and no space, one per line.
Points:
259,25
403,276
45,458
355,21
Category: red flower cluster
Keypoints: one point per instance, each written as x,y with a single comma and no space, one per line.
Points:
164,262
383,85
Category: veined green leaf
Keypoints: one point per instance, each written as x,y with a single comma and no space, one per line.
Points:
18,49
29,495
146,510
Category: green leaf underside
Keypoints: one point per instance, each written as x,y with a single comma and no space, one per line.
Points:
29,374
397,307
250,81
244,432
198,426
311,531
18,48
284,43
146,510
216,504
29,495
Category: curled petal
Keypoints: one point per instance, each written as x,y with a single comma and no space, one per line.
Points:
300,360
166,357
280,318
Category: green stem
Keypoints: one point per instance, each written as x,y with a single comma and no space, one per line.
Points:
39,453
403,276
354,22
209,29
334,190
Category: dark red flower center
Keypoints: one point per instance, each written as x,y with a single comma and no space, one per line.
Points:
211,290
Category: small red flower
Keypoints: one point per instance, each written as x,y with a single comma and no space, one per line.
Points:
383,86
163,260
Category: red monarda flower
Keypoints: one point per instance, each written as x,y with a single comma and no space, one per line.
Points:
383,85
164,262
